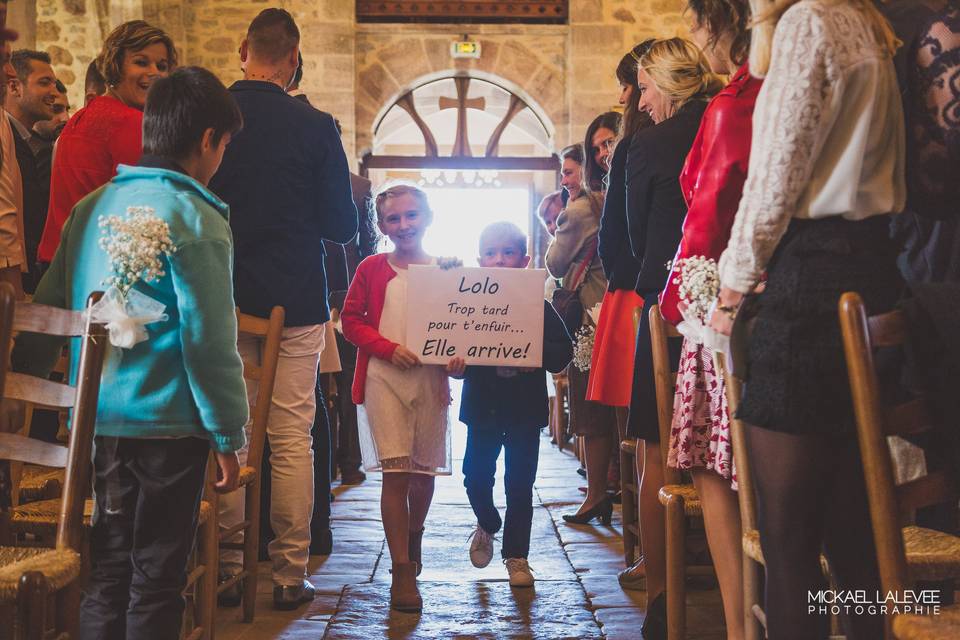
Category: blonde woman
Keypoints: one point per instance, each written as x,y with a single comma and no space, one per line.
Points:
826,166
675,83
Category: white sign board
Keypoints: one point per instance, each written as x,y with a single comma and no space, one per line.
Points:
485,316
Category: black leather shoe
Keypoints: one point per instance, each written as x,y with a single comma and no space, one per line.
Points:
655,622
603,511
290,597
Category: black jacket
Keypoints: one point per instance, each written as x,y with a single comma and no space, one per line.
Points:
619,265
286,180
655,205
519,401
35,176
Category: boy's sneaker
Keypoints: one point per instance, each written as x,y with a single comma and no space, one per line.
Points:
520,573
481,549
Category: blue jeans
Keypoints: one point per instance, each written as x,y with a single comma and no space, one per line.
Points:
521,447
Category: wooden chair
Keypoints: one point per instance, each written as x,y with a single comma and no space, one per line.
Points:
628,484
269,331
678,498
29,576
905,553
754,619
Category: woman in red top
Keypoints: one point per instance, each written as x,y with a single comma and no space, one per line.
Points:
107,131
712,182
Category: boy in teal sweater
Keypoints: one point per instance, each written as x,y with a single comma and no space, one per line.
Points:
169,399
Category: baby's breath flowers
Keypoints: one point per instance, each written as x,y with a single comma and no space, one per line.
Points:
699,284
135,244
585,339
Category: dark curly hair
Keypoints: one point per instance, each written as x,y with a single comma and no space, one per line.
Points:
725,16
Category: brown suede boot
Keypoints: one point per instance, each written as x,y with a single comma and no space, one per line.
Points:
413,549
404,595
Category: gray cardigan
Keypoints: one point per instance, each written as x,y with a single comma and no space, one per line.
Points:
576,241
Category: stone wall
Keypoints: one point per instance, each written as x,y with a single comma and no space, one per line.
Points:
355,71
601,32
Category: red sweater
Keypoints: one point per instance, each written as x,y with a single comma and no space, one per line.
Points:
360,318
712,179
97,138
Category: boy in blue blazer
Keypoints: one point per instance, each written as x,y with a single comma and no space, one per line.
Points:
505,408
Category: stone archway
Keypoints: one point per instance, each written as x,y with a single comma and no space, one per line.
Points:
390,63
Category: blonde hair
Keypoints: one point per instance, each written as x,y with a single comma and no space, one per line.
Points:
766,14
680,71
395,190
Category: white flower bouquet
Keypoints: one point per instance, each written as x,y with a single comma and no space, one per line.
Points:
698,288
135,244
585,339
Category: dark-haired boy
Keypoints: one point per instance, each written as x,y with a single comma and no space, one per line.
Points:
505,408
171,398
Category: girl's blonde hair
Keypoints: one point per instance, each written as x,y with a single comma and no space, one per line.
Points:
766,14
680,71
395,190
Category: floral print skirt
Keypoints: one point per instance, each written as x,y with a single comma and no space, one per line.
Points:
700,433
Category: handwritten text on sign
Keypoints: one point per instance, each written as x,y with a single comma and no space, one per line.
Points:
485,316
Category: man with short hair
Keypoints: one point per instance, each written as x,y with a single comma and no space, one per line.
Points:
286,180
50,129
13,257
31,96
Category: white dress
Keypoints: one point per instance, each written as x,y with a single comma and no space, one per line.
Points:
403,420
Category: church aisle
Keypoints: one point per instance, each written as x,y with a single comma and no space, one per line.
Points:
576,594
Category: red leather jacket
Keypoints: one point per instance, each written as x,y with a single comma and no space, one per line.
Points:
712,179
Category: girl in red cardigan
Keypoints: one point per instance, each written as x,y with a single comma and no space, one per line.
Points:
404,433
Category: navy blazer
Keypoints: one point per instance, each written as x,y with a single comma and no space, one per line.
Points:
519,401
286,179
655,205
619,264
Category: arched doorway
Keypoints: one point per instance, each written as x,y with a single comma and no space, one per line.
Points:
482,151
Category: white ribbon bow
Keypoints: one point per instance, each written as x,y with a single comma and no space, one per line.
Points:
126,316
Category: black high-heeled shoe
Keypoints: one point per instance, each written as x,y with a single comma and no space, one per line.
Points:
603,511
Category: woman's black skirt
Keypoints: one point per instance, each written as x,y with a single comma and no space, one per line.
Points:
796,371
643,421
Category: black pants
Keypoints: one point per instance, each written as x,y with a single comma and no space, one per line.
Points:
349,458
521,446
147,497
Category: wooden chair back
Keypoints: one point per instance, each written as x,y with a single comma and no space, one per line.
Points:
745,495
891,506
82,398
270,332
665,382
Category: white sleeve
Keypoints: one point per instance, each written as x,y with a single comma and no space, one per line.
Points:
789,123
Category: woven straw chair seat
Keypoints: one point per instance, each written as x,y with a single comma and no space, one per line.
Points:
40,483
40,518
691,501
932,627
247,475
931,555
59,566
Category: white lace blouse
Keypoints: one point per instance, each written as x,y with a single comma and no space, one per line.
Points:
828,135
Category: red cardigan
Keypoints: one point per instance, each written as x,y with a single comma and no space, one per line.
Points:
97,138
360,318
712,179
